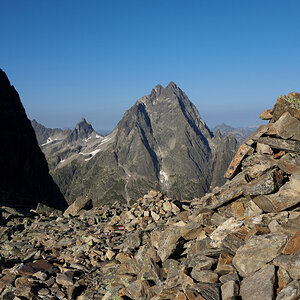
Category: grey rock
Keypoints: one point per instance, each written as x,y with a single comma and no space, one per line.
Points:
291,292
258,251
259,286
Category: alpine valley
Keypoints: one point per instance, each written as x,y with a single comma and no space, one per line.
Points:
160,143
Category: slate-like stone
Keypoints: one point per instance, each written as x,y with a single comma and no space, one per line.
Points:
289,163
286,197
287,127
229,290
168,243
258,251
260,285
291,263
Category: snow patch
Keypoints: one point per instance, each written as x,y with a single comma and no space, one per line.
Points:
93,153
105,140
164,176
49,140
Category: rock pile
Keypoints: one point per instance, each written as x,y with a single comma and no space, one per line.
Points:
241,241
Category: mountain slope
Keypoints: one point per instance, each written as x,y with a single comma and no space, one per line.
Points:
161,143
47,135
24,177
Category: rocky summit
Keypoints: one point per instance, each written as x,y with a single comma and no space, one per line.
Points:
24,174
160,143
240,241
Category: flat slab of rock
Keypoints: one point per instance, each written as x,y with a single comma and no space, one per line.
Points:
229,290
289,163
223,230
259,286
293,245
77,206
266,114
263,185
258,251
286,127
287,196
230,190
277,143
168,243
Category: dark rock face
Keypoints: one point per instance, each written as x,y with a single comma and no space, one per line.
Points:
24,177
160,143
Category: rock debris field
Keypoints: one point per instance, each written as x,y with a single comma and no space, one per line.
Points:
240,241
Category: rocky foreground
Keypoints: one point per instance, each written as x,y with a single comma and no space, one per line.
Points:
241,241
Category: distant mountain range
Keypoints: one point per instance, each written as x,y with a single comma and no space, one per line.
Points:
160,143
240,133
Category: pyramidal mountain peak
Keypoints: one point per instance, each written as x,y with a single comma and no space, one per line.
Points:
160,143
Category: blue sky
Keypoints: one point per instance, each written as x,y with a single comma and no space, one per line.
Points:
71,59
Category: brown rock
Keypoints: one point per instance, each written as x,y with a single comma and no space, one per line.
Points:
294,95
110,254
236,161
65,279
79,204
229,191
264,185
238,209
258,251
260,285
205,276
283,279
139,289
279,154
180,296
289,163
291,263
257,230
191,230
287,127
264,149
291,292
132,241
293,245
280,144
201,262
223,230
39,265
225,263
229,290
286,197
266,115
6,280
286,104
168,243
229,277
232,243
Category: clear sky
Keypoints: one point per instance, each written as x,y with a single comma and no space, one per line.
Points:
70,59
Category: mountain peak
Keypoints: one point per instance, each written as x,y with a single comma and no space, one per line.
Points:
172,85
83,130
